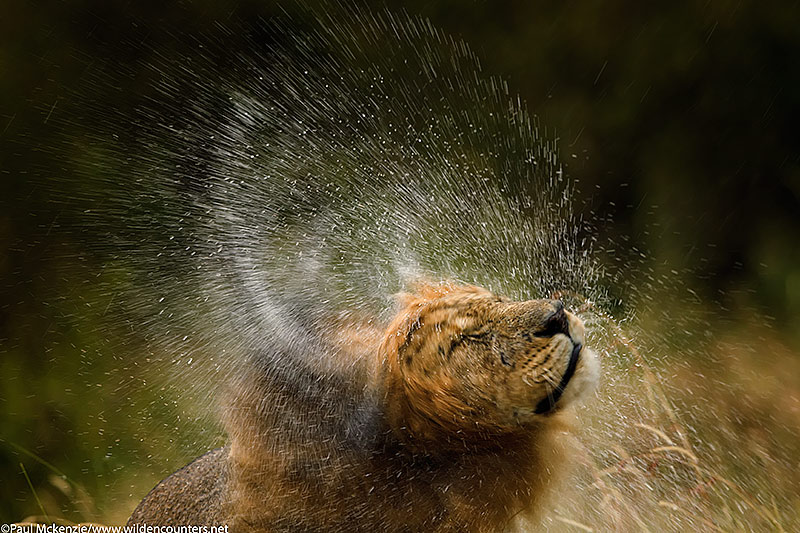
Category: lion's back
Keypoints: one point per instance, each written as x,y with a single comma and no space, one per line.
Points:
194,495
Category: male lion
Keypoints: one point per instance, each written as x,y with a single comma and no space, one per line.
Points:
461,432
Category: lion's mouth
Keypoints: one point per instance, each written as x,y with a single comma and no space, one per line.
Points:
549,402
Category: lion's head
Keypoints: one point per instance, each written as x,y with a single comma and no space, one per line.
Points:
463,364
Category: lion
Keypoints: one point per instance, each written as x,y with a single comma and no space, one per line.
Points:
453,423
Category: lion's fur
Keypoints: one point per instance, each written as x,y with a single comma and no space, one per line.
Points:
428,431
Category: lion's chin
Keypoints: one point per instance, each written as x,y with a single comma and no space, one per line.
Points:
584,381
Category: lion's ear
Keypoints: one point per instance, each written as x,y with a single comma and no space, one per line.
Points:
404,299
428,290
421,291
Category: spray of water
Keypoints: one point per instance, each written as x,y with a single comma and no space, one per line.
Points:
258,196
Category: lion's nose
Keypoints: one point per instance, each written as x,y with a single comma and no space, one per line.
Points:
557,322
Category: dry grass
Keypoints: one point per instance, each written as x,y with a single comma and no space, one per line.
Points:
643,468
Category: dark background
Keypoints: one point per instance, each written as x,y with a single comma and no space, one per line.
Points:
679,122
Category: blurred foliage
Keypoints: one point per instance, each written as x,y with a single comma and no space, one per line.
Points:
678,121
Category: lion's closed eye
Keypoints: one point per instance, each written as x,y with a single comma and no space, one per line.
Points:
481,337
